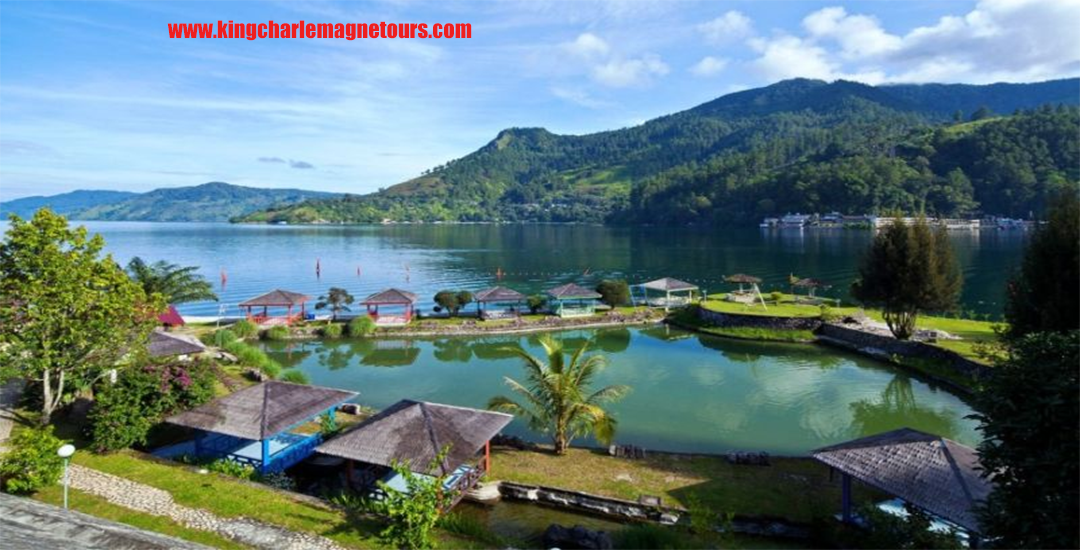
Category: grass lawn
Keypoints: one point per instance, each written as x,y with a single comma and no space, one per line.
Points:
231,498
785,308
975,335
797,489
99,507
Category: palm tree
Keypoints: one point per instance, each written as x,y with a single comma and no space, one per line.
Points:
557,399
179,285
336,300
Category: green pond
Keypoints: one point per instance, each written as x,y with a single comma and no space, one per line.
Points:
691,392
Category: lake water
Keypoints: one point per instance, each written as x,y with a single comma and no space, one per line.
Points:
691,392
428,258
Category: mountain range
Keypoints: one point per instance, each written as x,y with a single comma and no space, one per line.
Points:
797,145
210,202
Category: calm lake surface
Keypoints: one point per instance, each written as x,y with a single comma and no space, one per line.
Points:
429,258
690,392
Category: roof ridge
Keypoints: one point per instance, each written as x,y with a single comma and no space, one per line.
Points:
957,474
432,435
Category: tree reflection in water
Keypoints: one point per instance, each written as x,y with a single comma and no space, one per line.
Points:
896,408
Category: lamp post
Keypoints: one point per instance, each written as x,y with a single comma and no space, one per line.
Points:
65,453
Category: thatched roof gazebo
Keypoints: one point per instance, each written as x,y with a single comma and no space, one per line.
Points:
416,432
276,298
935,474
572,300
391,297
164,344
669,286
743,295
252,426
810,283
499,295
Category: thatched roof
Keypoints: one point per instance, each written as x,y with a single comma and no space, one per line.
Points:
499,294
276,298
936,474
416,431
171,317
390,296
742,278
164,344
667,284
263,410
572,291
811,282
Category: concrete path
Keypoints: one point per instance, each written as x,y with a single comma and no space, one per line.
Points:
151,500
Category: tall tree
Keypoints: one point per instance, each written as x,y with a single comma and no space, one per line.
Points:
1030,419
1044,294
67,313
178,285
614,292
556,397
906,270
336,300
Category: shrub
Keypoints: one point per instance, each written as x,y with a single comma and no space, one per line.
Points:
271,368
413,512
219,338
535,303
279,480
614,293
332,330
828,315
32,462
124,412
231,468
246,329
278,332
361,326
776,296
328,425
452,301
295,376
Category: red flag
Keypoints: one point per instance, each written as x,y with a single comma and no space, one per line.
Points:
318,269
224,278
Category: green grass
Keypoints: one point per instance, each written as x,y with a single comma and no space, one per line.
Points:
99,507
786,307
797,489
976,336
230,498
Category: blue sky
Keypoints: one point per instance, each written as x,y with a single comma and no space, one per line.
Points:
96,96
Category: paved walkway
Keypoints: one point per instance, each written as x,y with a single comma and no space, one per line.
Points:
151,500
9,398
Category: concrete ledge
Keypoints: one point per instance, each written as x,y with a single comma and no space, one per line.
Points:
27,524
718,319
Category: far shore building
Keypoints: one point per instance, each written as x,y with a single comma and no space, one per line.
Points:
414,433
499,302
395,300
258,425
676,293
276,299
938,475
571,300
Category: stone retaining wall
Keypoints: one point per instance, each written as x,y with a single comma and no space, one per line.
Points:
885,347
718,319
634,511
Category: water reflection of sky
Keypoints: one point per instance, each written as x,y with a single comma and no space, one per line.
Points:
690,392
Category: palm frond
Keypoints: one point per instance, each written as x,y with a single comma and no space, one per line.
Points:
608,395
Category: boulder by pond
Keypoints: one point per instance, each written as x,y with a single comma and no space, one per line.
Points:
576,537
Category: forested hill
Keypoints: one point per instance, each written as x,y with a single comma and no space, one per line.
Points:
798,145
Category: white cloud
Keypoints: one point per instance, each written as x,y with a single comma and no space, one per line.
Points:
579,97
621,73
730,27
709,66
858,35
998,40
588,46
